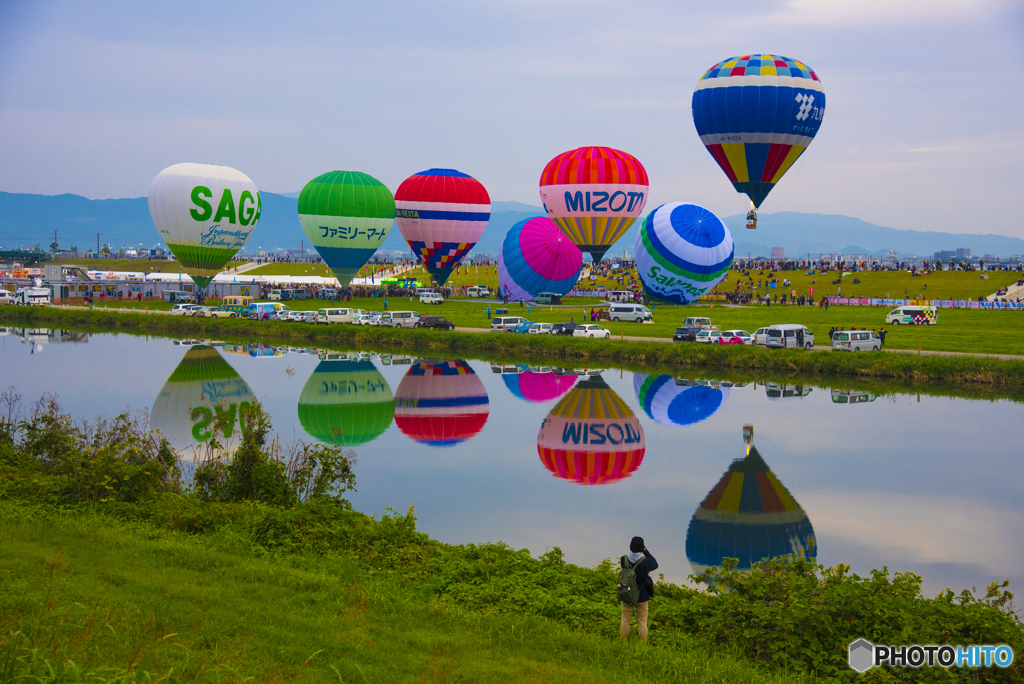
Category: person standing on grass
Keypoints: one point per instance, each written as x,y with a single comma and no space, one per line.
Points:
642,563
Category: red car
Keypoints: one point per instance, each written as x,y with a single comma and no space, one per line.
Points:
735,337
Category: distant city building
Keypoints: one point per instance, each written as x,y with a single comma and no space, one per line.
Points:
963,253
778,252
945,254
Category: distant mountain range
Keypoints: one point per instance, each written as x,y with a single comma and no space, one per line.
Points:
27,220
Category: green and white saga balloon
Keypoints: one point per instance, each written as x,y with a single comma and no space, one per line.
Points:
346,402
346,215
204,213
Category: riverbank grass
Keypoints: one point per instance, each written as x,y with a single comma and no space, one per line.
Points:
100,599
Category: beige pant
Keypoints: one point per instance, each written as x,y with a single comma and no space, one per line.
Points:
641,620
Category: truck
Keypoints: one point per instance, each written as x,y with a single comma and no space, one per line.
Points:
32,296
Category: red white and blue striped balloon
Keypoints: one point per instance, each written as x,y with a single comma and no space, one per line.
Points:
442,213
537,257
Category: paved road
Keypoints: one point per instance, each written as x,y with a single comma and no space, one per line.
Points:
1005,357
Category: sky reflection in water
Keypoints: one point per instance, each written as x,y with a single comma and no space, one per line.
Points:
933,486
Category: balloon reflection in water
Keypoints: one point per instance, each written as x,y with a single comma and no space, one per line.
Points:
591,436
667,403
538,386
346,402
441,403
749,515
203,392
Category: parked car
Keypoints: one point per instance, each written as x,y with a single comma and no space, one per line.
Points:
176,310
431,298
563,328
477,291
629,312
710,336
7,297
302,294
540,329
591,330
789,336
363,319
522,328
686,334
503,323
293,316
328,316
327,293
399,319
856,340
308,317
196,310
219,312
735,337
547,298
761,336
701,322
436,322
279,295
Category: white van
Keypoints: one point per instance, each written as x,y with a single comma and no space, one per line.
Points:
630,312
399,319
620,296
856,340
431,298
477,291
328,316
6,297
503,323
701,322
422,290
789,336
912,315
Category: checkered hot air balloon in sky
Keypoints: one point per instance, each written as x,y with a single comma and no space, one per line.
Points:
749,515
203,392
591,436
682,251
756,114
442,213
346,216
537,257
204,213
441,403
346,402
667,403
594,194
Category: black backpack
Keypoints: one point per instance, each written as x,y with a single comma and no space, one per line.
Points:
629,590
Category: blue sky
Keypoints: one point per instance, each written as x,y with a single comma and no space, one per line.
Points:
923,130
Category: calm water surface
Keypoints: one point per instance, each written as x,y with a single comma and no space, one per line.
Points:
539,459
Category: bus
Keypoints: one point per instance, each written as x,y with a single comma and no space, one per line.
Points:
237,304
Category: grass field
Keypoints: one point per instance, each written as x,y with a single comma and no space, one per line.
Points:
84,597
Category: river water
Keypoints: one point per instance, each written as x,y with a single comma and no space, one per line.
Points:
584,460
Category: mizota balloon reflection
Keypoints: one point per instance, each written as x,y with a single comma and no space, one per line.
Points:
441,403
749,515
591,436
668,402
346,402
442,213
594,194
204,213
199,404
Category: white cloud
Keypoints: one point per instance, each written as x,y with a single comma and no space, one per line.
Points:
880,12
